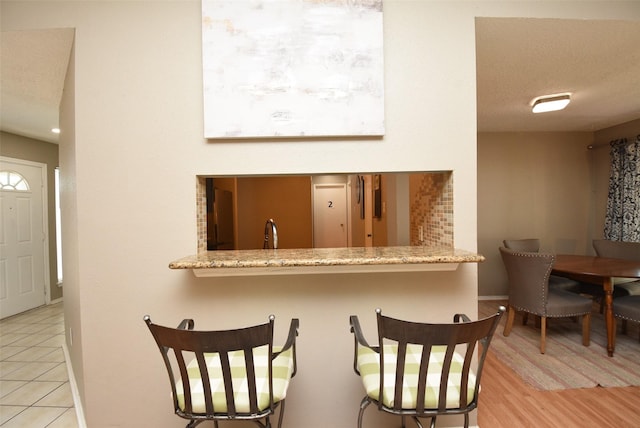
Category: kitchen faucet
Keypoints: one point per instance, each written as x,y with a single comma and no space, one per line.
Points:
270,224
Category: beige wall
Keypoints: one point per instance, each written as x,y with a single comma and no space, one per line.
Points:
541,189
15,146
132,116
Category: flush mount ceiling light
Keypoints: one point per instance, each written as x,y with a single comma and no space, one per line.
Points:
55,130
550,103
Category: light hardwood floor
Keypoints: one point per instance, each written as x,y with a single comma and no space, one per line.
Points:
507,401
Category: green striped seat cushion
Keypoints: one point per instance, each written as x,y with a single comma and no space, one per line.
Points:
369,368
282,371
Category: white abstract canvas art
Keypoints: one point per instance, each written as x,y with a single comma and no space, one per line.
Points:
291,68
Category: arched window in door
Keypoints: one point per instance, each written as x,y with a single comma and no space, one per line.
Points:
10,180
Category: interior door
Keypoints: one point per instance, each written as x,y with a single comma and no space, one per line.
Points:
23,278
330,217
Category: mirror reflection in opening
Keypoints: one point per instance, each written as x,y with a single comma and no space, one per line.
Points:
326,211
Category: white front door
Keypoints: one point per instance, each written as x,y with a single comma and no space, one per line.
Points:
330,220
23,273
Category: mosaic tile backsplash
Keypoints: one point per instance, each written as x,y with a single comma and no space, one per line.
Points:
431,199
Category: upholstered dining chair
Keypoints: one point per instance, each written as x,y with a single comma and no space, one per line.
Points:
227,374
421,370
533,245
529,292
627,308
616,250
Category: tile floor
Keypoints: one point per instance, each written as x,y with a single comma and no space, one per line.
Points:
34,383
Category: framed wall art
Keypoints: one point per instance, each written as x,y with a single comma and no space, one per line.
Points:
292,68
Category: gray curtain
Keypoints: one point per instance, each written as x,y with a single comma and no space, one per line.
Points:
622,222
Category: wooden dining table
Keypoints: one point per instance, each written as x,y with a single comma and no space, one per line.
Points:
602,271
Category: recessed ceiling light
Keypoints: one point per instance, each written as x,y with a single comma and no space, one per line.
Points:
55,130
550,103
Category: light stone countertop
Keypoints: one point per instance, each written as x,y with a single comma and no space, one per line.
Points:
319,260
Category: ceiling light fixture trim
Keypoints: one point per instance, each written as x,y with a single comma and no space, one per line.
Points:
548,103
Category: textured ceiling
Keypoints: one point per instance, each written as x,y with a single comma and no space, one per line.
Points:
598,62
517,59
32,72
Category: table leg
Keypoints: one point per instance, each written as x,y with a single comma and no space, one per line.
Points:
608,315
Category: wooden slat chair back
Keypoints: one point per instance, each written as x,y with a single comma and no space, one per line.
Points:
226,374
423,370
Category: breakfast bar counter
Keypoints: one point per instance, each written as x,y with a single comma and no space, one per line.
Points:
323,287
325,260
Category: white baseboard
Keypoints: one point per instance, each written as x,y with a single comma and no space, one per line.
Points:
54,301
77,403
